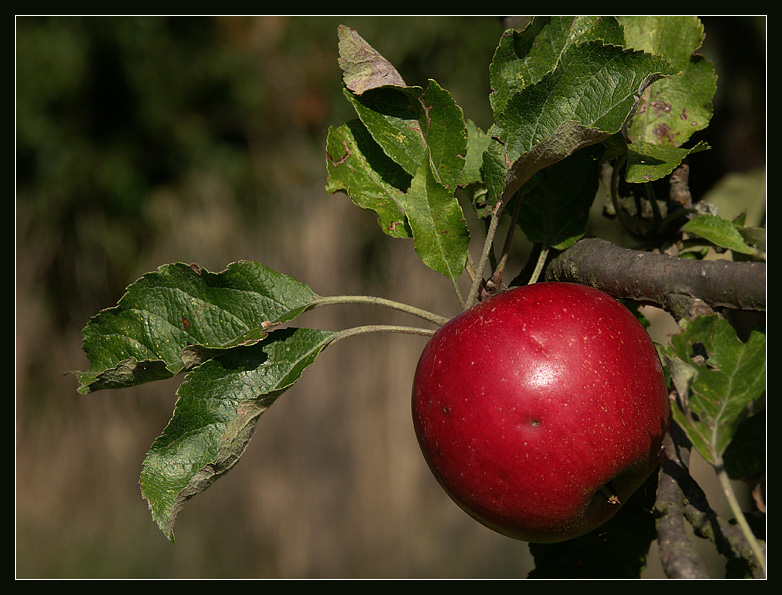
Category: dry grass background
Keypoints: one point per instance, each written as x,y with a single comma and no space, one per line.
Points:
332,484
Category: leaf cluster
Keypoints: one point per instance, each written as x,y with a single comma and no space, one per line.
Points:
572,98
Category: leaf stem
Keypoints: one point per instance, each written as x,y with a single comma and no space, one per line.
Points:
500,268
378,301
379,328
624,218
652,198
730,495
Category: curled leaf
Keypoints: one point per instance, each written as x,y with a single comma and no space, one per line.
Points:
362,66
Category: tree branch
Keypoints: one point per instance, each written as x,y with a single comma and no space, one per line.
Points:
680,498
677,553
682,287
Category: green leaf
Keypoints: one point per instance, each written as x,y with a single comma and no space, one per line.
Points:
745,457
675,108
477,143
440,232
674,37
445,134
408,123
719,232
411,124
557,200
143,337
423,133
524,57
647,162
218,407
717,377
583,101
391,115
358,167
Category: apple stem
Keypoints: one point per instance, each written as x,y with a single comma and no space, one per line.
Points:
608,492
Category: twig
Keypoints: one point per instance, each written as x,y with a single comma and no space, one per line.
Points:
472,298
500,268
676,550
680,498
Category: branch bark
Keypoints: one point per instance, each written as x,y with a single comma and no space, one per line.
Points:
680,286
680,499
677,553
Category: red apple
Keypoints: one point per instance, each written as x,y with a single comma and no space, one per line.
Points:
541,409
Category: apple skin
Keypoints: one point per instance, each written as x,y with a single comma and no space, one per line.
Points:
531,402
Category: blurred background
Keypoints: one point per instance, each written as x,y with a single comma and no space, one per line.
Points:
148,140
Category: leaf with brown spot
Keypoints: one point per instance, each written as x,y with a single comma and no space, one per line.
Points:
363,67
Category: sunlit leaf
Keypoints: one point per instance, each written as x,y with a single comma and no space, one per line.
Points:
178,305
218,407
584,100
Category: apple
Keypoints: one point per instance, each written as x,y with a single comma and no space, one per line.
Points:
540,410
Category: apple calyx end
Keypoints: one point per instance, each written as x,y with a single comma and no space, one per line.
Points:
607,491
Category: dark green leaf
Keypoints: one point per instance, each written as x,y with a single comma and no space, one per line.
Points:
439,230
524,57
217,410
584,100
557,200
178,305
